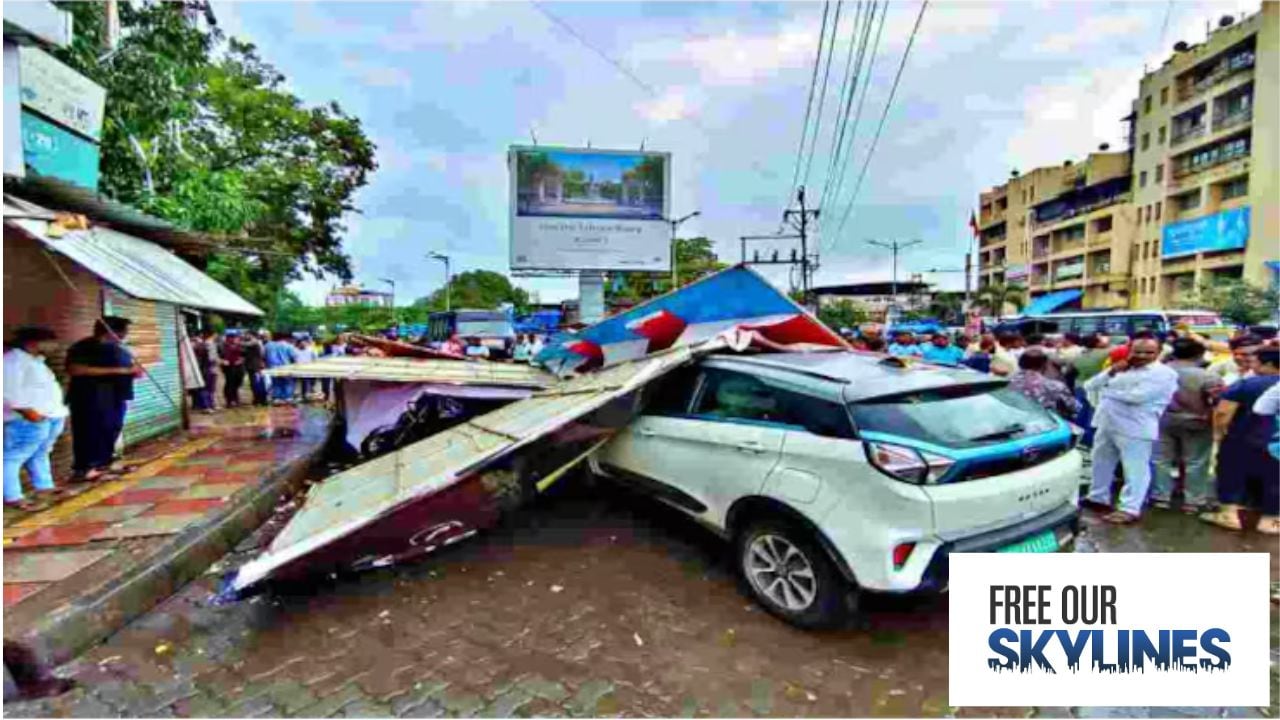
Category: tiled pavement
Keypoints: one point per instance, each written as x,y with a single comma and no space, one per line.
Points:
180,480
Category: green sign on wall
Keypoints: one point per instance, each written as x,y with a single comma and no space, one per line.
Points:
52,151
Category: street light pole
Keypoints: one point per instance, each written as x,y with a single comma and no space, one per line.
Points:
392,283
448,277
896,246
675,224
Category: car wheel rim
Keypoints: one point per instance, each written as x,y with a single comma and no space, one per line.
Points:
780,572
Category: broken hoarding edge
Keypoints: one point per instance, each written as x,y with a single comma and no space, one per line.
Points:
463,490
732,309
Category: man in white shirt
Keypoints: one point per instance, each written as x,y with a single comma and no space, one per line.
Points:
1132,395
34,415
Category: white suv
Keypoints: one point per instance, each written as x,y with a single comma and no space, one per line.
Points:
838,471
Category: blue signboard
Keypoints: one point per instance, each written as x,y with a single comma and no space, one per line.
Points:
52,151
1227,230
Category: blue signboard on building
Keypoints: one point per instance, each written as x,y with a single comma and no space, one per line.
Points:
1227,230
52,151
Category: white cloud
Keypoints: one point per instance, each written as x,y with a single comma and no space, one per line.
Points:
673,104
1068,117
734,57
1095,29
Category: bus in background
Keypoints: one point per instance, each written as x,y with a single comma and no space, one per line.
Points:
1118,324
493,328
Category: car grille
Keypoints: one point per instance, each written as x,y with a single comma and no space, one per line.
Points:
978,469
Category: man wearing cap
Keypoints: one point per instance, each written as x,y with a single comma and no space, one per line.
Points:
102,373
34,415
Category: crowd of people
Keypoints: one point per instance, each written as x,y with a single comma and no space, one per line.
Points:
1153,407
237,355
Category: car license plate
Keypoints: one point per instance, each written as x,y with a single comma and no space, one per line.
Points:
1044,542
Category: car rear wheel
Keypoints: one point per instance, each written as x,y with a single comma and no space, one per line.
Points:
790,575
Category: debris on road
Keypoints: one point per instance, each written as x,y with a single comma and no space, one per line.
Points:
451,485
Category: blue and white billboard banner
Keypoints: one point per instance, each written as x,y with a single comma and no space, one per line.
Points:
1227,230
586,209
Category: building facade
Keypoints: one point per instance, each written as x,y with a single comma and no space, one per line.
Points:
1067,227
1205,161
358,296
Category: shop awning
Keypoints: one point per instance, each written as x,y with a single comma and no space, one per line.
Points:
139,267
1052,301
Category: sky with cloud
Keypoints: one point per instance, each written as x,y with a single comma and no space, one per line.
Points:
445,88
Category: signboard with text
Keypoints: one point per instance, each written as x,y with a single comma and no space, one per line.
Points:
1227,230
59,93
49,150
586,209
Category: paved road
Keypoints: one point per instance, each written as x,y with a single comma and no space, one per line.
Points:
589,604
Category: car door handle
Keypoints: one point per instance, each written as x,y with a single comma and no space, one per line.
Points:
751,447
645,432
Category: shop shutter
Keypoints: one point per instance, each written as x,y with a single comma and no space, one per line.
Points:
153,336
38,292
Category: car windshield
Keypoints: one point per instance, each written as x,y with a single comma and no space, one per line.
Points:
962,416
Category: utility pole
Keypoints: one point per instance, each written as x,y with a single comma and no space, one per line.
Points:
896,246
448,277
799,220
675,281
392,283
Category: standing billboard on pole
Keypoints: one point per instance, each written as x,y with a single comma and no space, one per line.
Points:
586,209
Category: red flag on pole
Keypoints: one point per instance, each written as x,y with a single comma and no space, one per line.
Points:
973,222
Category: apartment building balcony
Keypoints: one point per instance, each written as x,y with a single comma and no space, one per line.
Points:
1080,210
1101,239
1186,136
1227,121
1227,67
1067,250
1227,158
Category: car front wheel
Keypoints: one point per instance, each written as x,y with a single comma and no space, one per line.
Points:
789,574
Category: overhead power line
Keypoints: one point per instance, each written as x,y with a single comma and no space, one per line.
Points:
897,78
857,115
835,164
808,107
632,76
822,95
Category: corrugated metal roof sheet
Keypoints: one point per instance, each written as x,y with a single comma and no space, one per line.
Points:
345,502
139,267
424,371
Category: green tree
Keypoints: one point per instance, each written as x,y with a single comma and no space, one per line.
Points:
200,130
994,298
477,289
947,308
843,314
695,259
1235,300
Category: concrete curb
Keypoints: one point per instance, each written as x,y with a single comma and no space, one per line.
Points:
61,636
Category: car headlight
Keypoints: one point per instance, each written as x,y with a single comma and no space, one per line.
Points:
906,463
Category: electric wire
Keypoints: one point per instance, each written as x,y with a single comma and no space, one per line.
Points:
888,105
